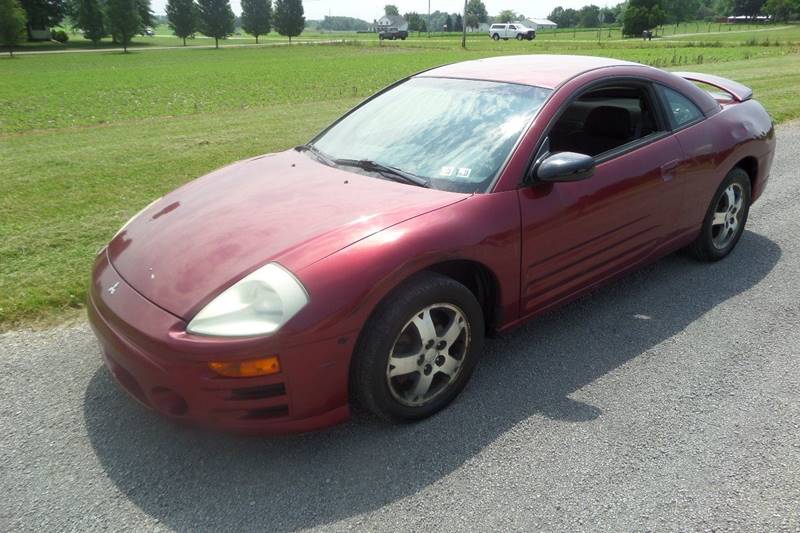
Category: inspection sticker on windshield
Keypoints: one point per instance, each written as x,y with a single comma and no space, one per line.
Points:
447,171
464,172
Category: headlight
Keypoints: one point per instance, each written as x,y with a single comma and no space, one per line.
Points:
258,304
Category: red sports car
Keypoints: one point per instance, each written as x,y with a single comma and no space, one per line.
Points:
368,265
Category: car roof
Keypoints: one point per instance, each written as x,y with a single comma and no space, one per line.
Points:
540,70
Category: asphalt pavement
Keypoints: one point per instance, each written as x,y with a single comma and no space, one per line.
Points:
668,401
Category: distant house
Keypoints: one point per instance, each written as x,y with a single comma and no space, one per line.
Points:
38,34
739,19
387,22
538,24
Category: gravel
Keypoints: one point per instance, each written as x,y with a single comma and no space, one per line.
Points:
668,401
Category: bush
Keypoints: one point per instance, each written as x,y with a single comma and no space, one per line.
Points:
59,35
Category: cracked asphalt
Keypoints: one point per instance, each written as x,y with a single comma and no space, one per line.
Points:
668,401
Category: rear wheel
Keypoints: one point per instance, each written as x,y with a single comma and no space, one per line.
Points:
725,218
419,348
495,37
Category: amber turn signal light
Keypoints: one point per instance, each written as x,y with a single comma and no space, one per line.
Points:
247,369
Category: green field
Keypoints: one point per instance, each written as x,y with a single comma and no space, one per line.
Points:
87,139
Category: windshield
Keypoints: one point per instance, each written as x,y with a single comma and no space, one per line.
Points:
454,133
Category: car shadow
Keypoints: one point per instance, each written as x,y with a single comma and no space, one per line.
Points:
191,479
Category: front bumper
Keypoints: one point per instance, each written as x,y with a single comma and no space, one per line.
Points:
165,369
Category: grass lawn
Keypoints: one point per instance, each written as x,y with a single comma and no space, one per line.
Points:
86,140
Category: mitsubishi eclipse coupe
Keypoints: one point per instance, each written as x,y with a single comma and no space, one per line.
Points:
366,266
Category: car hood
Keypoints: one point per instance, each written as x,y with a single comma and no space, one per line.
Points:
187,247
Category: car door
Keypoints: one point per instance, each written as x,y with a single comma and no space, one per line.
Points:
577,234
511,32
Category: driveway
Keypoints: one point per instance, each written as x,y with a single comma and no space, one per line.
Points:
667,401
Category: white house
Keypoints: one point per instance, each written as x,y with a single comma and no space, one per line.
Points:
392,21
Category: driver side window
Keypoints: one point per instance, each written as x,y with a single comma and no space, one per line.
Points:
604,119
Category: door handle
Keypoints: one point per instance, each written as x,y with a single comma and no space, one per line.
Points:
668,169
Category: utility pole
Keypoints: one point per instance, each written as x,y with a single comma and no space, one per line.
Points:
429,19
464,27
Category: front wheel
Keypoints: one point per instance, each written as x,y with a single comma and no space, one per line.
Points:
725,219
519,36
418,350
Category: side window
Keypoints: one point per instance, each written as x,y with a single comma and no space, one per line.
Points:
604,119
681,109
512,27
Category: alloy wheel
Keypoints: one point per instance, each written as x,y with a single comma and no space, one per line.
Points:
428,355
727,216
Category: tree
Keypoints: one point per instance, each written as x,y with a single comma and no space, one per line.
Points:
609,15
458,23
289,19
391,9
506,16
123,20
146,16
415,22
781,10
342,24
43,14
476,13
642,15
216,19
12,24
750,8
256,17
723,7
565,18
680,10
90,18
448,22
589,16
182,16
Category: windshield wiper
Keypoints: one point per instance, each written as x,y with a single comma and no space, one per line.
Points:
366,164
385,170
317,153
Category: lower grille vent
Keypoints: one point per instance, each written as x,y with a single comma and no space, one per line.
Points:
258,393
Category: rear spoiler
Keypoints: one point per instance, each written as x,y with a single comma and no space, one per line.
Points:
738,92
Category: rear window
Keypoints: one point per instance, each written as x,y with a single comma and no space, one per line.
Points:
682,111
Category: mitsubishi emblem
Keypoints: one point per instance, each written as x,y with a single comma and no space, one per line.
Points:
112,289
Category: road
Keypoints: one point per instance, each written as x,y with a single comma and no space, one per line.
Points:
176,47
668,401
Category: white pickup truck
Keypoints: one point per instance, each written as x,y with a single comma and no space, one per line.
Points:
511,31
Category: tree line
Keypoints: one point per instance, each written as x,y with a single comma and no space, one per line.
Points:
439,20
636,16
124,19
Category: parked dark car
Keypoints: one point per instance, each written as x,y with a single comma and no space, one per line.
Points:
392,34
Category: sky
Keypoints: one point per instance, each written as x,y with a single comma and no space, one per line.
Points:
372,9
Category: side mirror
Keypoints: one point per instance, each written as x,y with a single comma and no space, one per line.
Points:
564,166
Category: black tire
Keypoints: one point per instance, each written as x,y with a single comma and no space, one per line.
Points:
519,36
495,37
709,246
369,379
